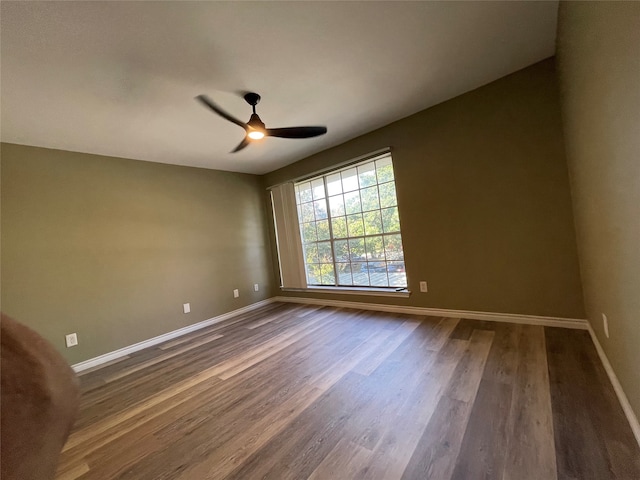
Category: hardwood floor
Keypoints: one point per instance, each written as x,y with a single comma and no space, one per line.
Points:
295,392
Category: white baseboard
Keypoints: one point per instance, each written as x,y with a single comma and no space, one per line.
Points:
580,324
622,398
108,357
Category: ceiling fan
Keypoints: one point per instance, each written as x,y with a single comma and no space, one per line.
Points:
255,128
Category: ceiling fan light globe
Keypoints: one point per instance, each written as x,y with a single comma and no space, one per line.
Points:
256,135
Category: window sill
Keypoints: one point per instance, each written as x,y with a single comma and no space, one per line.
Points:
372,291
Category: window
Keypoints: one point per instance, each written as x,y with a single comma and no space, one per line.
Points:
350,227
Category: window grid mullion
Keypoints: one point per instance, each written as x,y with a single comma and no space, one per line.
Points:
333,252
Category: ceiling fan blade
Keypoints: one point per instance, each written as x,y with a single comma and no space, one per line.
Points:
296,132
245,141
206,101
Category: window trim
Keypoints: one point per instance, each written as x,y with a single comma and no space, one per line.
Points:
336,167
341,290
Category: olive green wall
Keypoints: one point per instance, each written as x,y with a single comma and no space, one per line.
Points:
484,199
111,248
599,63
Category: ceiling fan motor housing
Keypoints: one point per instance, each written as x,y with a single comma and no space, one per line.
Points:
255,122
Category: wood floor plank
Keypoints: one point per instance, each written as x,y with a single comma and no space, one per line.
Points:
368,365
188,439
299,448
247,359
160,403
82,436
275,316
330,376
228,448
214,327
391,392
289,441
127,452
436,451
208,461
465,328
249,403
482,452
531,452
246,471
73,473
100,402
413,390
464,384
131,421
346,460
586,415
398,444
296,391
502,364
161,358
441,333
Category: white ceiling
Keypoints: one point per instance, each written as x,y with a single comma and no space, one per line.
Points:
119,78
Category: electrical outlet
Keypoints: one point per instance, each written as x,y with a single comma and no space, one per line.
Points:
71,339
186,307
256,287
236,293
605,323
423,286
